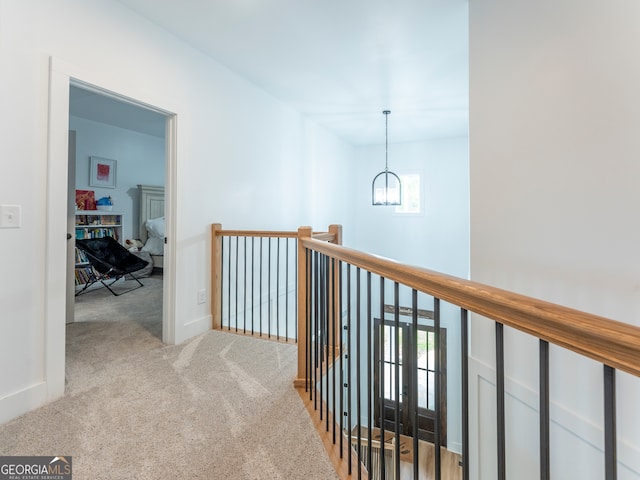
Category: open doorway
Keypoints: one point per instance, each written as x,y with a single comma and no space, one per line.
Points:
124,200
58,235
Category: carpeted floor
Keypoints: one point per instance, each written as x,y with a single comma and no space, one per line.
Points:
219,406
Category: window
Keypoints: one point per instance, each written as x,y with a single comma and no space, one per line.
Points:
411,202
424,362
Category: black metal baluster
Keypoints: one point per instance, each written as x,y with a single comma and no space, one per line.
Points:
464,337
342,383
311,309
295,324
414,380
327,317
370,414
286,290
348,356
320,328
253,270
500,401
358,379
610,449
269,289
545,466
260,288
396,346
278,288
244,300
229,290
316,332
333,341
237,255
221,282
383,475
438,393
307,317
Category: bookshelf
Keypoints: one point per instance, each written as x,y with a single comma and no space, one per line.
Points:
94,224
84,270
98,224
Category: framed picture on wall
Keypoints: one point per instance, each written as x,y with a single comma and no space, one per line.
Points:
102,172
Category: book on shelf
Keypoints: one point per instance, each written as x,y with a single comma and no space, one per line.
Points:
89,219
86,233
84,275
81,257
110,219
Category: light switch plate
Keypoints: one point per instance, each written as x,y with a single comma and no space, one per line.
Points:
10,216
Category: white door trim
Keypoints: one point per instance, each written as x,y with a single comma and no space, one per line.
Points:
61,76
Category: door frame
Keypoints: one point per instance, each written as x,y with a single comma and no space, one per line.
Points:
61,76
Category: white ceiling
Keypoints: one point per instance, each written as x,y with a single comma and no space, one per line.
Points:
340,62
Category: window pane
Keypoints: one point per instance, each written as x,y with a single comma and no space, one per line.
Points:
410,194
426,375
390,381
389,344
425,345
389,363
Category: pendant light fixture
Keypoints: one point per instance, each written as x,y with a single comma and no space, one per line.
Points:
386,188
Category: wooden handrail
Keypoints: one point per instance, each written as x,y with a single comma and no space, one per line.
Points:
607,341
323,236
256,233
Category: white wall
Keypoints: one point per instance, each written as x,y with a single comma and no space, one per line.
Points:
330,165
232,141
140,160
554,147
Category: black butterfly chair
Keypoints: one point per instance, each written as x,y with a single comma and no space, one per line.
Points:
110,262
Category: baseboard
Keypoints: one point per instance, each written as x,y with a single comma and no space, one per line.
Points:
455,447
23,401
194,328
338,459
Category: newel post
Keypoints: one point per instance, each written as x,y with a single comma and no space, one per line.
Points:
336,230
216,276
301,378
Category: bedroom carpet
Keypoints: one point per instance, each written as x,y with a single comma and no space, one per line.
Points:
219,406
142,307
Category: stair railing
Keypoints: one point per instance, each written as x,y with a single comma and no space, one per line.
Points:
338,306
255,280
342,292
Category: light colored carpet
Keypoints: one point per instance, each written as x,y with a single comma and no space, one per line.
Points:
219,406
142,306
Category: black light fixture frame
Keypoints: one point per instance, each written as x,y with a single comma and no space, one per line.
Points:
386,172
